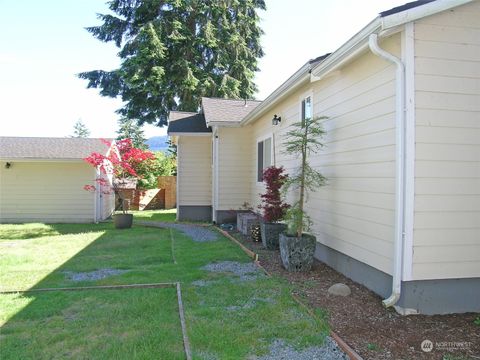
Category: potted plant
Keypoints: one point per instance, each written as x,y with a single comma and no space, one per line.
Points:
120,165
296,246
273,208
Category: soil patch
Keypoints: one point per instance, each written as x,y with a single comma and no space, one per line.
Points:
363,323
93,275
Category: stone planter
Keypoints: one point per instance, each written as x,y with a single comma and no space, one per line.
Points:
297,254
270,233
123,221
245,222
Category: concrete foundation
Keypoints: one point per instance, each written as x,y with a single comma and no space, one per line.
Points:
444,296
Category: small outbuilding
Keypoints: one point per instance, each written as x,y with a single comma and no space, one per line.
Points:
42,180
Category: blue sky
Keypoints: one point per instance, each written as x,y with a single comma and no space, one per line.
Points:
44,44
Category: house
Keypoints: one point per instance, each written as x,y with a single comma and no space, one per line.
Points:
42,179
401,211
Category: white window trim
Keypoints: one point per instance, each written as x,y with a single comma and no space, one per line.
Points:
308,94
260,139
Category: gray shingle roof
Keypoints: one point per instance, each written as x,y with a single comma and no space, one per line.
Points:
50,148
186,122
404,7
227,110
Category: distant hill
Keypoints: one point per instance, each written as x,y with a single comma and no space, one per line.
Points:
158,143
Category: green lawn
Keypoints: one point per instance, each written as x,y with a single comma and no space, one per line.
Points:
227,319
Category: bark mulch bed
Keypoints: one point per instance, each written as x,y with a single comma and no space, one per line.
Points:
363,323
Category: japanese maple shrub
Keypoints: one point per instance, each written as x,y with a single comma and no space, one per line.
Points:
273,208
122,162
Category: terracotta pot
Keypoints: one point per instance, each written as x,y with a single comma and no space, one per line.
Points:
123,221
297,253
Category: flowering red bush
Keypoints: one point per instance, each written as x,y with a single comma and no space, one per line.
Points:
273,208
122,161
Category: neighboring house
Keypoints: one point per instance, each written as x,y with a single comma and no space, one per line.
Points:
401,211
42,179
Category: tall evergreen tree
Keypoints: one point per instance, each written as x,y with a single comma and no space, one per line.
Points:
174,52
80,130
129,129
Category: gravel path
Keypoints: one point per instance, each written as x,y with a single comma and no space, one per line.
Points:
245,271
92,275
279,350
197,233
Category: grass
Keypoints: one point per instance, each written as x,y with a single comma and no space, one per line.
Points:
228,319
154,215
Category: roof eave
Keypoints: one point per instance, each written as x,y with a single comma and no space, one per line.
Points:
383,26
299,78
233,124
189,133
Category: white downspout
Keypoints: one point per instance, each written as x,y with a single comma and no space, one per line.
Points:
215,175
400,168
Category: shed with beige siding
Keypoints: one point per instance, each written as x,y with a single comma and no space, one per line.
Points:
401,211
42,180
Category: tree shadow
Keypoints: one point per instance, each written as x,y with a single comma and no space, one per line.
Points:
48,324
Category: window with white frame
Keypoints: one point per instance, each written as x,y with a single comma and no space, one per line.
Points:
264,157
306,108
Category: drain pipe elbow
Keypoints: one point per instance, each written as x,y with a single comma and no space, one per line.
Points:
400,168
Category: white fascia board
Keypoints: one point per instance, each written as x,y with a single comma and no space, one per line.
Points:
177,134
419,12
356,44
231,124
384,26
301,77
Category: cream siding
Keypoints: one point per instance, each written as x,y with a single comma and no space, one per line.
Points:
447,166
354,213
46,192
194,170
234,154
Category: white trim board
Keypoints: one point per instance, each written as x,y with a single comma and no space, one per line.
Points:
408,58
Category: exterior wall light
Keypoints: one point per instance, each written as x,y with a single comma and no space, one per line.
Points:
276,120
8,165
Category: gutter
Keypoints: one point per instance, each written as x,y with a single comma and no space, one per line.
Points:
400,139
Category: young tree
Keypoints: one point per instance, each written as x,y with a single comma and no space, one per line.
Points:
80,130
124,162
129,129
175,52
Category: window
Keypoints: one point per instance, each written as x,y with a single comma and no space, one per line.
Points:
264,156
306,108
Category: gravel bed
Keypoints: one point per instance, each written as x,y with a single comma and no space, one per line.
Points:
202,283
245,271
93,275
279,350
195,232
251,303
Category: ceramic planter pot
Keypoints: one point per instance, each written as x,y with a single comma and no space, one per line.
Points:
297,253
123,221
270,233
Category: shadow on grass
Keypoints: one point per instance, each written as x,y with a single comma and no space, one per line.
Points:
120,324
101,324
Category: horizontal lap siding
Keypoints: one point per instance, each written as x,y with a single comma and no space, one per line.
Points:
234,156
354,213
447,166
47,192
194,171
